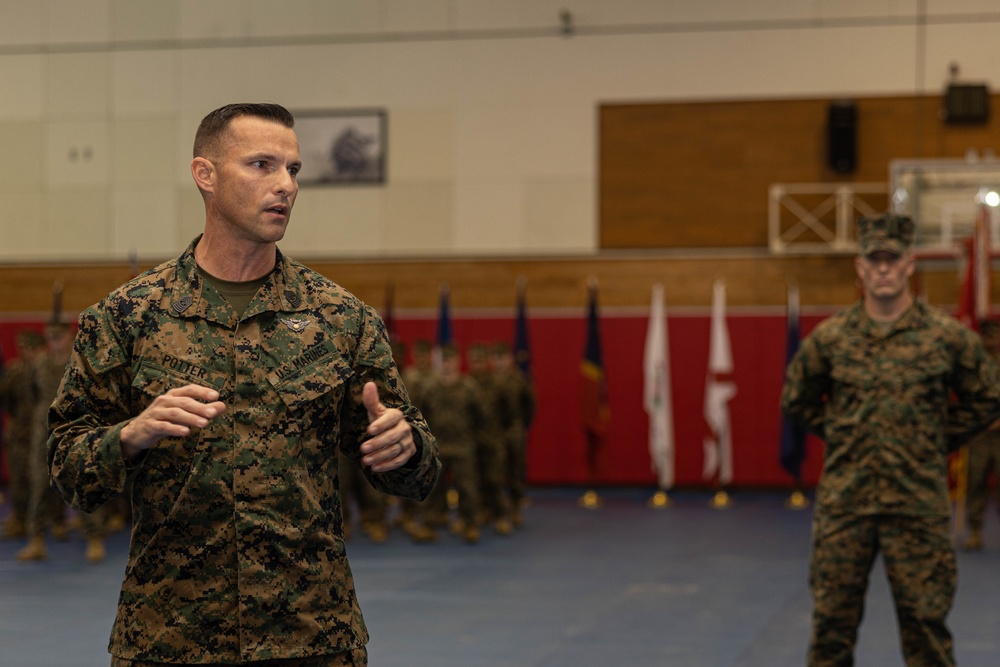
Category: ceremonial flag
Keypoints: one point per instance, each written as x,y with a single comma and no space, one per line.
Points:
656,392
388,316
522,351
792,449
57,299
594,395
719,390
133,263
444,335
974,301
3,443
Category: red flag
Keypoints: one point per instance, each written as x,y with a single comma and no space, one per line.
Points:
974,302
719,390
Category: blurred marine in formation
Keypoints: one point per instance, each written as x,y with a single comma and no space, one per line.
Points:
18,399
516,401
491,445
984,456
451,402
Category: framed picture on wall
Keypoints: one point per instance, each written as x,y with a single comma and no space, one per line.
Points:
342,147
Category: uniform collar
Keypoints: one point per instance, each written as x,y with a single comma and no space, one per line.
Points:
914,317
191,296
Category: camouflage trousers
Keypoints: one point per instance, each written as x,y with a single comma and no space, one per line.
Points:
920,563
984,458
46,507
356,658
516,465
491,458
19,468
459,471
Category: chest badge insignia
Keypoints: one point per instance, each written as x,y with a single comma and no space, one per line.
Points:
295,324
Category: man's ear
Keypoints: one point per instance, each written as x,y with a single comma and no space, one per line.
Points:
203,172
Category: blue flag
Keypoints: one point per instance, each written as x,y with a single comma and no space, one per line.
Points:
594,400
3,444
792,451
522,351
444,335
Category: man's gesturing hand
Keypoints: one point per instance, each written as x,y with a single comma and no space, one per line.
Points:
391,442
171,415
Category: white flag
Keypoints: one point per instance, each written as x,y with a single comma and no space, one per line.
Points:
656,397
719,390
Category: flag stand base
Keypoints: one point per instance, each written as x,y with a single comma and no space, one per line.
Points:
720,500
797,501
659,500
590,500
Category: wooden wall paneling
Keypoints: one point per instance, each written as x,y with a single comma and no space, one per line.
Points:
752,281
696,175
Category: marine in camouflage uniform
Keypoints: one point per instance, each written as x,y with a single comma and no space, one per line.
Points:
451,402
229,427
875,383
984,457
417,377
46,505
516,411
491,445
17,399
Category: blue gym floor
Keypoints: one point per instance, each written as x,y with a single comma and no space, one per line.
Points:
689,586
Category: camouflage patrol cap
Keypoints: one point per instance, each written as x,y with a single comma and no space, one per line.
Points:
449,351
890,232
30,338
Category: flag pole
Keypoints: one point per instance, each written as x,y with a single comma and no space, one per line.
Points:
590,499
791,450
719,390
657,400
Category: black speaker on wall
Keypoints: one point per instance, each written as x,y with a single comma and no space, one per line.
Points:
842,136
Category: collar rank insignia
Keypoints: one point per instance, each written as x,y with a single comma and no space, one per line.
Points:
182,304
293,298
295,325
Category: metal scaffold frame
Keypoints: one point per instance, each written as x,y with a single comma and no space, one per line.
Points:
845,200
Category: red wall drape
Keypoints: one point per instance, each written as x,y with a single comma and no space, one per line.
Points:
556,446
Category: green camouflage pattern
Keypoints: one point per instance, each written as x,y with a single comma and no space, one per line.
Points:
491,448
893,233
889,400
516,409
237,550
455,408
880,398
45,507
920,563
17,399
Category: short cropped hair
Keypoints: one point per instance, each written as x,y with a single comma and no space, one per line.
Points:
214,125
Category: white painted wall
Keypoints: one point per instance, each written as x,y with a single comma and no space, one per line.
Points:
492,111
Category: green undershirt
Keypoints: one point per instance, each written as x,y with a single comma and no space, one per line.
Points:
239,295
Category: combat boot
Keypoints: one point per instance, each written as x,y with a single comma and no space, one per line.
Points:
503,527
376,531
35,550
13,528
470,534
95,550
975,541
